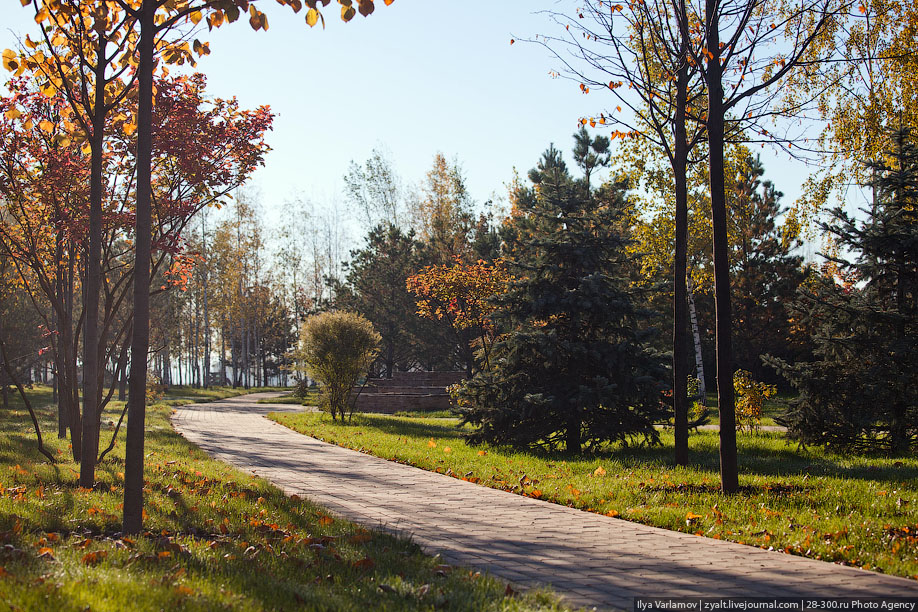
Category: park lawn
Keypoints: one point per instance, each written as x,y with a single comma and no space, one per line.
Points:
216,538
852,510
312,398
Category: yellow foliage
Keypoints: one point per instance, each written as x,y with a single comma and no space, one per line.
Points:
750,399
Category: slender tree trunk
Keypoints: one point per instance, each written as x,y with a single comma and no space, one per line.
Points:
204,279
67,351
140,341
92,392
696,337
729,478
245,357
680,371
223,354
235,357
167,366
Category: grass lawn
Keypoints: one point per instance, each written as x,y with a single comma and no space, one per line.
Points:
216,538
311,399
853,510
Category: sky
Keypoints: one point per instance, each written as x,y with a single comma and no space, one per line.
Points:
415,78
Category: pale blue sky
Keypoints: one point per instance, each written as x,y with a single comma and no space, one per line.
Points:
416,77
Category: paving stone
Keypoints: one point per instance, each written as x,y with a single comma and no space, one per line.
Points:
592,560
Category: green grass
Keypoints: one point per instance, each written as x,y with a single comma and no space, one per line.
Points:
311,399
854,510
215,538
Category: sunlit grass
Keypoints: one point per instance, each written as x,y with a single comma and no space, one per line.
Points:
855,510
216,538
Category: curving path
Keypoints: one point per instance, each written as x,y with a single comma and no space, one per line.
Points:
590,559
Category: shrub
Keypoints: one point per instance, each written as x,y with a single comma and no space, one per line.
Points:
337,348
750,399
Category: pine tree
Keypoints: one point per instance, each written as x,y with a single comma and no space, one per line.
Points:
572,369
375,288
859,393
765,274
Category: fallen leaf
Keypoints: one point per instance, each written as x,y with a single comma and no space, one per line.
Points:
94,557
599,471
365,564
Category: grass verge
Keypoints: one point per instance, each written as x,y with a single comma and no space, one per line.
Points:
216,539
851,510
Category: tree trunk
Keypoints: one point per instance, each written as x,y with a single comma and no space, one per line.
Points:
572,435
680,370
206,382
140,341
92,392
167,367
729,477
245,357
699,357
234,357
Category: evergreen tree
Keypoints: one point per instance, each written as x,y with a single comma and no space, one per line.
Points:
859,392
375,288
764,274
572,368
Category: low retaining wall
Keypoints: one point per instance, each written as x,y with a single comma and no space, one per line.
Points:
407,391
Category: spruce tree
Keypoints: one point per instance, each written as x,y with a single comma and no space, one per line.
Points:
765,274
572,368
860,392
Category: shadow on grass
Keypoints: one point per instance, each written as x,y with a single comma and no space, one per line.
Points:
764,454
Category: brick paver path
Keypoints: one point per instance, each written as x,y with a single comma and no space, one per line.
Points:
590,559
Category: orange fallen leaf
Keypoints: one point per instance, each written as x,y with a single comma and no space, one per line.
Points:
94,557
365,563
326,520
599,471
431,443
612,513
536,493
482,453
360,538
46,552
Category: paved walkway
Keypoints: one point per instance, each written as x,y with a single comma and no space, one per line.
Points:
590,559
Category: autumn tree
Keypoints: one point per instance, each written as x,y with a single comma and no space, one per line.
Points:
463,296
863,94
43,191
572,368
442,211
